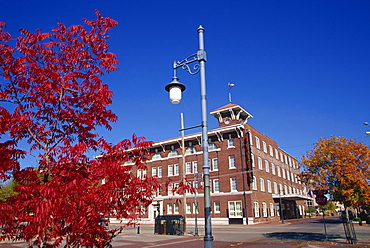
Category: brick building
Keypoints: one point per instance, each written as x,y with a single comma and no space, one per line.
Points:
269,182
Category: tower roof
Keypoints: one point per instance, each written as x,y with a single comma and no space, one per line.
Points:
231,111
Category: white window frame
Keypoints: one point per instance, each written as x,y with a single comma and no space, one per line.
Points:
216,185
264,210
262,184
188,167
256,210
264,146
275,188
254,183
272,210
260,166
169,208
230,143
195,166
269,190
253,163
258,144
232,162
267,166
188,208
233,184
217,207
273,171
170,170
271,151
214,162
154,171
160,171
176,208
235,209
176,169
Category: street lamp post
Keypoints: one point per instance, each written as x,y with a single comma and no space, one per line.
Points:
175,88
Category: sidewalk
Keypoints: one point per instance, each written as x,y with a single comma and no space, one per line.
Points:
293,233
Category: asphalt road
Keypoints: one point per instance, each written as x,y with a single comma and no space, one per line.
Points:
293,233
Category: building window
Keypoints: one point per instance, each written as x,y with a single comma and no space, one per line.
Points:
278,171
188,167
188,208
176,208
275,188
262,184
190,150
258,145
260,163
285,190
280,189
232,164
230,143
177,169
252,157
156,156
170,188
264,210
215,164
233,185
269,186
271,151
195,166
169,208
267,168
160,171
176,186
276,154
254,183
195,208
173,153
264,146
235,209
216,185
154,171
272,169
256,209
212,147
282,170
285,159
281,157
170,170
272,210
217,207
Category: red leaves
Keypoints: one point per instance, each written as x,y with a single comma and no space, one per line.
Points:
54,84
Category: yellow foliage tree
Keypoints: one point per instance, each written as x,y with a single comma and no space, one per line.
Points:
341,166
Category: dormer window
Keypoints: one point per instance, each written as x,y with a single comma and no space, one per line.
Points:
173,153
190,150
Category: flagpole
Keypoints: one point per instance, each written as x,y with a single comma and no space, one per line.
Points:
230,86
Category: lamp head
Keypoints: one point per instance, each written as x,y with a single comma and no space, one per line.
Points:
175,88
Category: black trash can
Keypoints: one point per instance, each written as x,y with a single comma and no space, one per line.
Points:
169,225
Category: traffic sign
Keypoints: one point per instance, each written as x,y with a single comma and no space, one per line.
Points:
321,200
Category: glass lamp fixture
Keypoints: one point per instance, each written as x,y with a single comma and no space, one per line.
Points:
175,88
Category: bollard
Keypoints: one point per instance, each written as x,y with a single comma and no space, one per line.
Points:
138,229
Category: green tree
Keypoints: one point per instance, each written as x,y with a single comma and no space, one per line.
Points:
341,166
7,190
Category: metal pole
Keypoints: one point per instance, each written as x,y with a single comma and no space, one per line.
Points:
183,166
196,205
281,207
208,238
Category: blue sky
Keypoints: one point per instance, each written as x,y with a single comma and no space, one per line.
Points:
301,68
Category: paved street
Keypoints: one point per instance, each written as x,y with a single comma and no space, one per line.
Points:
294,233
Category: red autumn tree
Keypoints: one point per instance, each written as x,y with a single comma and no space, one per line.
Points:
55,100
341,166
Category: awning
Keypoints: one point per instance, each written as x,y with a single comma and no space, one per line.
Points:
292,197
